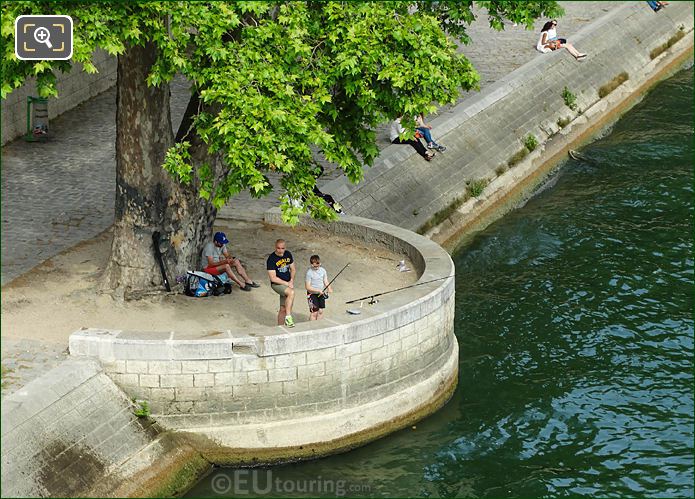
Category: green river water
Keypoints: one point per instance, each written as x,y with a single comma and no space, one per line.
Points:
574,320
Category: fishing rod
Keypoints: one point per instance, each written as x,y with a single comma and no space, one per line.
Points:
371,297
323,292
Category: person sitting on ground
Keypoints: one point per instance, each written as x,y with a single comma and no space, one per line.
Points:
549,41
657,6
395,136
424,129
281,271
215,260
316,286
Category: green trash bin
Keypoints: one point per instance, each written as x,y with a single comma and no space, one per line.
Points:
37,119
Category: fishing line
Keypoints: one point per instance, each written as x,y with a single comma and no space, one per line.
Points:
371,297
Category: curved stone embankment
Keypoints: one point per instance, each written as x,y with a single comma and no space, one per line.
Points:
487,130
241,396
397,355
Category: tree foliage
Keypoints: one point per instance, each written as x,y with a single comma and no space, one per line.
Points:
280,84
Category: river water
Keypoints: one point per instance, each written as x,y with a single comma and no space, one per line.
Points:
574,320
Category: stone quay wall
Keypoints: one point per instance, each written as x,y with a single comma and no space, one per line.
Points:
72,433
373,370
509,189
486,130
74,88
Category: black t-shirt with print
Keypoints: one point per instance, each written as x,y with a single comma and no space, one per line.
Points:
281,265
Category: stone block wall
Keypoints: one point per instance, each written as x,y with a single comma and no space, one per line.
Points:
73,89
272,374
65,432
359,367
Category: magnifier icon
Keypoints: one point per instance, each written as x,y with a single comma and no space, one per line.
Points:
42,35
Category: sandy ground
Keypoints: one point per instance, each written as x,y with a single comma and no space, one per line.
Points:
60,296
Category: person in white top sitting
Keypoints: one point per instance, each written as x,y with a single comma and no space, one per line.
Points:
548,41
395,137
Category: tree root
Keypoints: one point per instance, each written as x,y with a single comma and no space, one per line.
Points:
139,294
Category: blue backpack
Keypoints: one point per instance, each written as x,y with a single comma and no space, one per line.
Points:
199,284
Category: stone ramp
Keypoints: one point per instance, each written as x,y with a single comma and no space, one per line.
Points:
483,134
494,54
65,431
72,433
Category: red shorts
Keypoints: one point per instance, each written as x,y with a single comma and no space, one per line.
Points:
212,270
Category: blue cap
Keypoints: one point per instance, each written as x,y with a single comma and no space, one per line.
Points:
220,238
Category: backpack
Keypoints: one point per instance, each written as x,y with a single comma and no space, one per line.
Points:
201,284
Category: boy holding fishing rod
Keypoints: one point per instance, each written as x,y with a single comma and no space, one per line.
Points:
318,287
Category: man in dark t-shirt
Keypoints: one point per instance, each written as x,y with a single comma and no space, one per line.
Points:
281,271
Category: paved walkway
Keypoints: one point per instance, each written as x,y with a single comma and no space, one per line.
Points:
59,193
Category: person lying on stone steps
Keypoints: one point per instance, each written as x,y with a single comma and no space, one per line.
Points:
215,260
326,197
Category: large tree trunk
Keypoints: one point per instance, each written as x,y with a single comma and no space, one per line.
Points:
147,198
188,218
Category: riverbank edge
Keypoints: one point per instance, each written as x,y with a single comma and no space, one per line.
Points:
182,464
178,467
517,184
489,133
174,476
187,457
504,194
